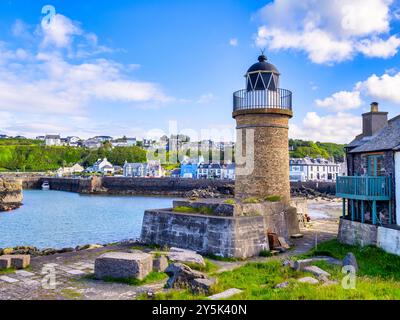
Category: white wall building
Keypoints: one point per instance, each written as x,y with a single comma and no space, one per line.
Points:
53,140
308,169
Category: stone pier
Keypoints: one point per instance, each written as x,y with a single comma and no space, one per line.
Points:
10,194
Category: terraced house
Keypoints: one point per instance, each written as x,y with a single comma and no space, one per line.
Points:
371,212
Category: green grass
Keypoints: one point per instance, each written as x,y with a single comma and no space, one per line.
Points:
230,201
71,294
251,200
201,210
265,253
210,267
153,277
273,199
222,259
7,271
378,279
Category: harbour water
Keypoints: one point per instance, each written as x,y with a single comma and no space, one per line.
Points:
53,219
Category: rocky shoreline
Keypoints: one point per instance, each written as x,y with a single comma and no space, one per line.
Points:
10,194
34,251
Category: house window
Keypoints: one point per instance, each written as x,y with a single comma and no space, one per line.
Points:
375,165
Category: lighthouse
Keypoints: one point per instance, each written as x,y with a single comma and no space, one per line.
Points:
262,112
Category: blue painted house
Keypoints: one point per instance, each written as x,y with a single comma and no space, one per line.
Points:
189,170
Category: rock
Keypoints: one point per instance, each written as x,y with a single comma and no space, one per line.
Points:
185,256
316,271
182,276
160,264
88,247
309,280
5,262
20,261
282,285
297,236
64,250
202,286
10,194
226,294
299,265
26,250
283,243
350,260
122,265
288,263
48,252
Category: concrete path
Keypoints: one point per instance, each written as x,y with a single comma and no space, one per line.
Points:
67,276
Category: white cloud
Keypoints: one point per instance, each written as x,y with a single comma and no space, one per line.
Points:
385,87
42,90
206,98
332,31
337,128
379,48
341,101
60,32
234,42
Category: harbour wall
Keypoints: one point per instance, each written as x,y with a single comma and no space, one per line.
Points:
161,186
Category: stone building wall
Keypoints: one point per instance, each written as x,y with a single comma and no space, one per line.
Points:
270,176
357,234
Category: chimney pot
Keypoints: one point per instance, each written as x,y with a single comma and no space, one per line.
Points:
374,107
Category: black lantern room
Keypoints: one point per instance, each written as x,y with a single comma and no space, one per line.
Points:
262,76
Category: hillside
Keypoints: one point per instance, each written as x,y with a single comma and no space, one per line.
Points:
317,149
28,155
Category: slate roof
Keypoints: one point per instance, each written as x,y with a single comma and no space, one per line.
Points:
387,138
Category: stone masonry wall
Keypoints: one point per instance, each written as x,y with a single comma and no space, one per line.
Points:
270,176
239,237
356,233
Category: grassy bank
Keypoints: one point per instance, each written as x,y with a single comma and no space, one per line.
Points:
378,278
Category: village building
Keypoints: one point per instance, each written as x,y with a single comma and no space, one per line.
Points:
103,166
53,141
308,169
134,170
371,214
229,171
68,171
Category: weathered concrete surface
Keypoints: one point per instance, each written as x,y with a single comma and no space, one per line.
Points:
185,256
121,265
389,240
239,237
10,194
356,233
226,294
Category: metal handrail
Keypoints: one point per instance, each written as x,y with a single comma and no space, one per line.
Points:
261,99
364,186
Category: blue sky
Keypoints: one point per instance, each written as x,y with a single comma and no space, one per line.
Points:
131,67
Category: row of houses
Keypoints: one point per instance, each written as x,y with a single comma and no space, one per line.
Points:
214,171
92,143
319,169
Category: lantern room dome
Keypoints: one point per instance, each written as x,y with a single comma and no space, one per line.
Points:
263,66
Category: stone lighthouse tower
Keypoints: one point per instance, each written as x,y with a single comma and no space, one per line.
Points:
262,112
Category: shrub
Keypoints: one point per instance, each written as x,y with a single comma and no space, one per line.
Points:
251,200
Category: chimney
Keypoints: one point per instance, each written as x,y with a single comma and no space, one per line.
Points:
374,120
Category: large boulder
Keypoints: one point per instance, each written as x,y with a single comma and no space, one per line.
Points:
160,264
350,260
10,194
122,265
183,277
185,256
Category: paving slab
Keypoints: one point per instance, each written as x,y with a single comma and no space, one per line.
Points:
8,279
24,273
76,272
226,294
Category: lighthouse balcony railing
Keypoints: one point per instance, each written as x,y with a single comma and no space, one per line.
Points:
364,188
262,99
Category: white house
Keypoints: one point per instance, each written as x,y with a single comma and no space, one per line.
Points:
73,141
53,140
92,144
67,171
308,169
103,166
228,171
135,170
